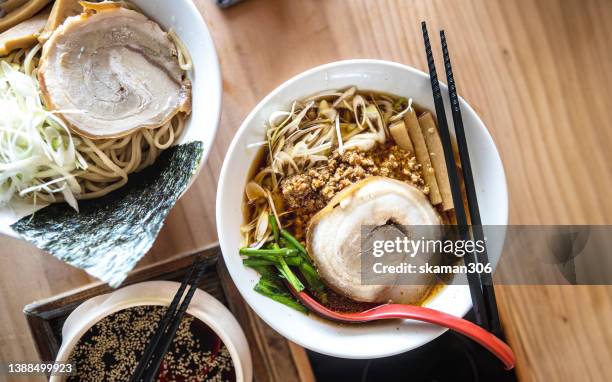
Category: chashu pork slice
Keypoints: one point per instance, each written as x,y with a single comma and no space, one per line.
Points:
371,206
112,72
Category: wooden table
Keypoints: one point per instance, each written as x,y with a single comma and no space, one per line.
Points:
539,73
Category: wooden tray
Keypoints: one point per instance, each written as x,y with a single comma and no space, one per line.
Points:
274,357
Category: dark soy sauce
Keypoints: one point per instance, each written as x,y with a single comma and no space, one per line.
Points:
111,349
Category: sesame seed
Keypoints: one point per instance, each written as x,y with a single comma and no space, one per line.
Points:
111,349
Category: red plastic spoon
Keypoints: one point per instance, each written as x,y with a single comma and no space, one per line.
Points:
394,311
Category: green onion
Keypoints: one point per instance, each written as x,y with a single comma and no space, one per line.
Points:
291,259
274,226
263,256
312,277
267,271
294,260
254,263
284,252
271,289
278,252
38,155
308,271
288,274
293,242
271,258
274,260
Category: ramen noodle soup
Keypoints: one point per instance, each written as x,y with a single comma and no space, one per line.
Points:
90,93
332,164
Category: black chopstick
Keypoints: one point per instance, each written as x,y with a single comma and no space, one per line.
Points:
474,280
470,190
174,325
155,350
154,340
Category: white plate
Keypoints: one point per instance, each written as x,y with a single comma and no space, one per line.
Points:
351,341
183,17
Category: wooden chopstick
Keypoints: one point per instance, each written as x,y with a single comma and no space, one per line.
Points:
470,189
155,350
474,280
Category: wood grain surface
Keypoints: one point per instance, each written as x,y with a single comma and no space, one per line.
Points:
539,73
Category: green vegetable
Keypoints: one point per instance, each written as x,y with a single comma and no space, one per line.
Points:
283,252
256,263
266,271
308,271
271,289
278,252
290,260
274,226
288,274
38,157
293,242
272,258
312,277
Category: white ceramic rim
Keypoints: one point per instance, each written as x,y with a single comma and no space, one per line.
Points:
203,123
249,295
242,366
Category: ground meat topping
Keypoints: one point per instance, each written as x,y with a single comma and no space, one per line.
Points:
308,192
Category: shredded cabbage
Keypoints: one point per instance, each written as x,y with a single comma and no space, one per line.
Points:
38,159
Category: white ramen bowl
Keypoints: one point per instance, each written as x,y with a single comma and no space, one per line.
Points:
351,341
183,17
203,307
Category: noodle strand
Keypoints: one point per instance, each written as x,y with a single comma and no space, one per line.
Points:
106,163
109,161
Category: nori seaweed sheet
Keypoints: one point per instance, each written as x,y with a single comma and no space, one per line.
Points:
109,235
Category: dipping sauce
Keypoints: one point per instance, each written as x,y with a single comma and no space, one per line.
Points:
112,348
